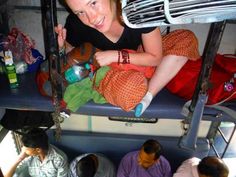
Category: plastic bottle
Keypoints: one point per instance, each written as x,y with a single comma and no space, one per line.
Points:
10,69
21,67
77,73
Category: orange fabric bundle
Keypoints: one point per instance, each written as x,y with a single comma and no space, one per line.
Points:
123,88
146,70
182,43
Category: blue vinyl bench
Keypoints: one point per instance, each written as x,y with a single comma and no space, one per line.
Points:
115,146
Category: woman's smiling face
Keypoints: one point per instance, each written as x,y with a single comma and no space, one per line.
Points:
98,14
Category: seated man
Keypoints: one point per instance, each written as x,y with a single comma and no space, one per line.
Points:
209,166
38,158
147,162
92,165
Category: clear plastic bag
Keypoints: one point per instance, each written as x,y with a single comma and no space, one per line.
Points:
20,44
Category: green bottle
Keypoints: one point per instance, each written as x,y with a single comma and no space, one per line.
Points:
10,69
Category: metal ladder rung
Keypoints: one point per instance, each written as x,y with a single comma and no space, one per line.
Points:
222,135
215,150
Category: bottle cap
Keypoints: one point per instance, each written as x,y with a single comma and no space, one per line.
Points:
8,58
87,66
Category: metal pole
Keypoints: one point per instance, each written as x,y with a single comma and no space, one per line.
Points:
196,108
49,21
211,47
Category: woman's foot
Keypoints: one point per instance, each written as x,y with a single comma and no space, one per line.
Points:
142,106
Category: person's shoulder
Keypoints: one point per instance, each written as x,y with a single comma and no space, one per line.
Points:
163,159
187,168
190,162
193,160
79,157
57,154
102,157
131,154
141,30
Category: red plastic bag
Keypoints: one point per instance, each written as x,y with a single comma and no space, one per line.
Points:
223,70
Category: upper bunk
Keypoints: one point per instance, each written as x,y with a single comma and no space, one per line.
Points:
164,105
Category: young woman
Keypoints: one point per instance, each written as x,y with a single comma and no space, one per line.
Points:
99,22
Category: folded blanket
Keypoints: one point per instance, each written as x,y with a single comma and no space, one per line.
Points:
79,93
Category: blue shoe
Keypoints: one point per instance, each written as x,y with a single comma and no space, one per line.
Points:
138,110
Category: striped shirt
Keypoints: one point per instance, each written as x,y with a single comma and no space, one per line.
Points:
55,164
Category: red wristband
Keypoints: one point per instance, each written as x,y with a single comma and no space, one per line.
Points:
125,57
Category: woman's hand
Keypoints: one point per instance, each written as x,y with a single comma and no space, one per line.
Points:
105,58
61,38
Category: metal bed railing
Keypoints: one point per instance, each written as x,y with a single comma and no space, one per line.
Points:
150,13
216,133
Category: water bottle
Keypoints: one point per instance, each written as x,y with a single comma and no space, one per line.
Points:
10,69
21,67
77,73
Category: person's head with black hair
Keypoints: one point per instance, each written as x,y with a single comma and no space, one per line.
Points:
86,167
35,142
212,166
149,153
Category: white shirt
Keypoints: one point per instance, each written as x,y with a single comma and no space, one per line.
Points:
188,168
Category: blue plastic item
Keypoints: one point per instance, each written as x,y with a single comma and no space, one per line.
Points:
76,73
39,59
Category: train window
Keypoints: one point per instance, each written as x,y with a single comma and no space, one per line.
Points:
8,151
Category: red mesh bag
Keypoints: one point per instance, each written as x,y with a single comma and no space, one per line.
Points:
123,88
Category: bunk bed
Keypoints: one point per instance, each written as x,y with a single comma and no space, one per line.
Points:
27,97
